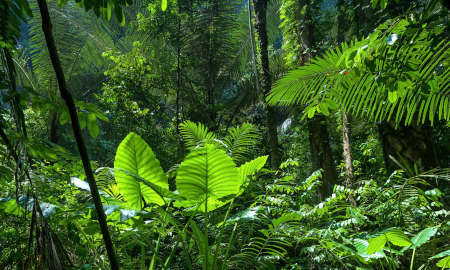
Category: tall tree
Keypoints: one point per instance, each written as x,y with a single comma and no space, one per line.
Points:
260,7
347,150
301,39
346,144
321,154
408,145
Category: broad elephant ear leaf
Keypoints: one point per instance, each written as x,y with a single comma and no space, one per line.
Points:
10,206
135,157
423,236
250,168
207,172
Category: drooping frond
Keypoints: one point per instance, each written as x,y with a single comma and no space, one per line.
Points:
305,83
399,72
12,12
81,39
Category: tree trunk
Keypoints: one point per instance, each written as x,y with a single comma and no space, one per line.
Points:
319,142
212,67
53,127
177,98
67,96
321,155
411,145
260,26
346,145
347,150
252,42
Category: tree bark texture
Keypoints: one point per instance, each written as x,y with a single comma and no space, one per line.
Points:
412,144
260,7
252,42
347,155
212,66
321,155
347,150
65,94
178,94
53,127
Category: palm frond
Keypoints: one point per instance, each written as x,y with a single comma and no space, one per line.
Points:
81,40
12,12
399,72
305,83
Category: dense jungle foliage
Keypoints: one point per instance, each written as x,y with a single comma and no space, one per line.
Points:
224,134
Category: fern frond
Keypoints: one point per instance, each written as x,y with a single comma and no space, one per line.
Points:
241,140
270,246
195,135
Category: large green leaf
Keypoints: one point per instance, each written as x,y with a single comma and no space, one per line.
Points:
444,263
10,206
163,5
376,244
441,254
423,236
361,245
250,168
93,128
135,157
162,192
398,238
207,172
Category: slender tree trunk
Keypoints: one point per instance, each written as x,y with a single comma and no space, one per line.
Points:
347,154
65,94
411,145
252,41
347,150
177,100
260,26
15,101
212,68
346,145
20,160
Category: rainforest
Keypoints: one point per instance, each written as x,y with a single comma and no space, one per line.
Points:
224,134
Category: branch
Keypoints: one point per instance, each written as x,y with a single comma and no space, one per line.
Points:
65,94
